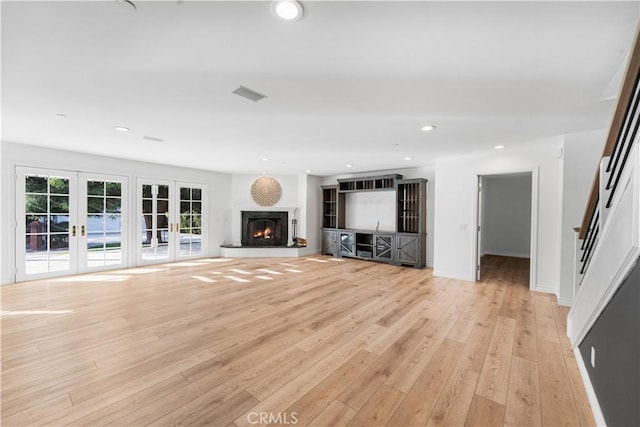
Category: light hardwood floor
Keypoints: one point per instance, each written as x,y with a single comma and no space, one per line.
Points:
305,341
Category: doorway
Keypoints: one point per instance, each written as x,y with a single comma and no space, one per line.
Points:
506,233
172,221
68,222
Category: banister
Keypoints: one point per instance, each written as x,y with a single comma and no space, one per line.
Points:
624,99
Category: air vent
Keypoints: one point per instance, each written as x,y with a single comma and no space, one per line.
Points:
250,94
152,138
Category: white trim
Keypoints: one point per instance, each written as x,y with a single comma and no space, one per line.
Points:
600,282
509,254
627,265
549,289
244,252
533,263
565,302
456,276
598,416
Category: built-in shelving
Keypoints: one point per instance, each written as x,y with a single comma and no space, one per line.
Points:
371,183
332,207
411,206
406,246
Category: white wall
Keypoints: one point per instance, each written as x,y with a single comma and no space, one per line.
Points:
456,207
426,172
506,215
219,187
310,230
371,209
581,159
301,197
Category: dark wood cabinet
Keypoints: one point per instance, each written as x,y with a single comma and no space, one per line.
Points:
407,246
329,242
383,247
410,249
346,243
411,206
332,207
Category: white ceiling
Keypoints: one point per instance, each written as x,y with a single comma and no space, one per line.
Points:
352,82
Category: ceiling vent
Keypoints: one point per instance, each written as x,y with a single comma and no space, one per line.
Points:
152,138
249,94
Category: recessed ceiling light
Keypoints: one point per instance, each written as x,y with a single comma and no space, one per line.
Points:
308,171
348,166
264,172
498,147
427,128
265,159
64,116
289,10
122,129
408,158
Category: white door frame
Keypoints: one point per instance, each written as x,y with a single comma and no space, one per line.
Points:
20,229
204,215
83,178
533,251
171,219
174,220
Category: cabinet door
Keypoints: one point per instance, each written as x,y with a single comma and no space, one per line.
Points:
329,242
408,249
346,243
383,247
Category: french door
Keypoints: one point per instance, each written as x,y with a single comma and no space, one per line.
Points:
171,221
68,222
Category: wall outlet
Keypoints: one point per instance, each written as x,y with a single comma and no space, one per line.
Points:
593,357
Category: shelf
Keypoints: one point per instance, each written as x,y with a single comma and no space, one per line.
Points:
377,183
404,246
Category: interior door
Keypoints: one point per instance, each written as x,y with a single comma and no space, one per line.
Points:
103,223
46,223
156,213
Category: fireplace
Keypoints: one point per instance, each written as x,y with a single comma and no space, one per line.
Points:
265,228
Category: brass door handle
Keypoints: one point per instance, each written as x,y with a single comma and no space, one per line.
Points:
73,231
177,227
171,227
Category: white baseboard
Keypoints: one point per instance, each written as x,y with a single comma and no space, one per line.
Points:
566,302
440,273
509,254
548,289
588,387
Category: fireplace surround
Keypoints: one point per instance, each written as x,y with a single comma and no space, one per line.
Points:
265,229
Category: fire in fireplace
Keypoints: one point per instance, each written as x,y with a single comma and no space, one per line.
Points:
264,233
264,228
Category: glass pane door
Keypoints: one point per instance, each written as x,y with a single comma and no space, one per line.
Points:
191,221
102,233
156,222
45,208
